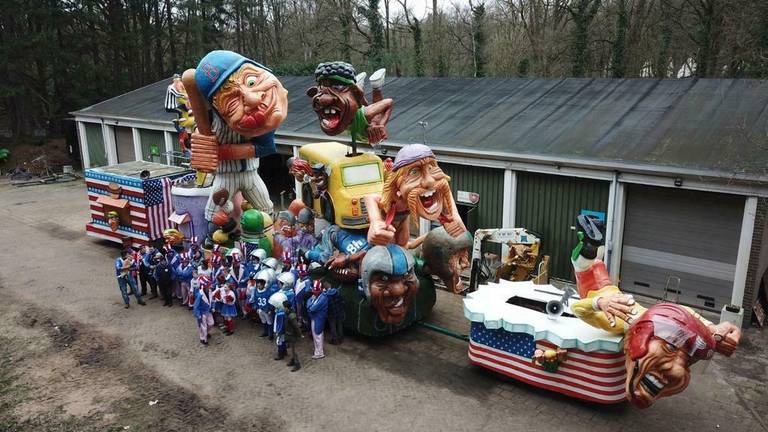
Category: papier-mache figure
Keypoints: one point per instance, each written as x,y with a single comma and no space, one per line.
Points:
260,300
276,300
317,309
202,308
389,282
228,307
248,103
415,187
339,101
447,256
660,342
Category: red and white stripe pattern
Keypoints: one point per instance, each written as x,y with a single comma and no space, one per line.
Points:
149,210
593,376
159,205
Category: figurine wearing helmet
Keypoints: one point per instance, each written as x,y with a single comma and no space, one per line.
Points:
660,343
389,282
260,299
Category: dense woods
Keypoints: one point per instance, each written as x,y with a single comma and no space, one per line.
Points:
58,56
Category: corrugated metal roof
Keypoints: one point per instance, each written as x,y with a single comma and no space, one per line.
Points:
717,126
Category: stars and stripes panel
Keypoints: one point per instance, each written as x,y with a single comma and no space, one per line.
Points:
594,376
149,206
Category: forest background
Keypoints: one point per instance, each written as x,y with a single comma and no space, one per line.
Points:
58,56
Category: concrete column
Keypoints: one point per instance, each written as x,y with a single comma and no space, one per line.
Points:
745,245
137,144
168,146
83,138
297,184
617,201
109,143
509,204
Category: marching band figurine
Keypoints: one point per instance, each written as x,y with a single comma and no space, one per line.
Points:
183,276
260,300
286,281
255,259
239,277
302,289
317,308
194,285
228,308
146,270
276,300
202,308
164,277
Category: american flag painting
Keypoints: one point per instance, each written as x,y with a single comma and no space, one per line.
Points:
148,201
597,377
157,199
508,324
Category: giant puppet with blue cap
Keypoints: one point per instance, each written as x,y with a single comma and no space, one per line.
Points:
238,103
414,187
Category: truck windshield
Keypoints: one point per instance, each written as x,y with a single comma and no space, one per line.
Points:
360,174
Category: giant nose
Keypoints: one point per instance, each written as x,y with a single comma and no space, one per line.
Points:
427,179
324,99
252,99
396,288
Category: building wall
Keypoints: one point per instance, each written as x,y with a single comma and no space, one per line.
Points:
758,259
97,153
487,182
548,205
152,139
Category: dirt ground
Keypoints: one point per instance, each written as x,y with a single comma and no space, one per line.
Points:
23,153
72,359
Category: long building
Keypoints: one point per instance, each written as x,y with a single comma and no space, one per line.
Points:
678,168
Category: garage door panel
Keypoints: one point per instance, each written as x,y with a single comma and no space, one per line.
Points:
690,234
716,219
695,289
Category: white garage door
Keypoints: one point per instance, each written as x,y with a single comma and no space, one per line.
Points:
680,233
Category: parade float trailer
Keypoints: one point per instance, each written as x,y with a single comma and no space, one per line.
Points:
511,333
127,207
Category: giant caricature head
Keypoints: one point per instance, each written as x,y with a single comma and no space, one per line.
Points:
660,346
416,178
285,224
336,98
244,93
447,256
389,282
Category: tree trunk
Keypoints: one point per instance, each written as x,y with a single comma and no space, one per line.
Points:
618,65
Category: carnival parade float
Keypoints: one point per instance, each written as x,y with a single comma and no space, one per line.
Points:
130,203
349,233
597,343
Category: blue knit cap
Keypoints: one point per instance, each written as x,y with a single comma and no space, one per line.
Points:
216,67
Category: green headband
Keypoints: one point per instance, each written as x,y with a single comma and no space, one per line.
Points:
337,78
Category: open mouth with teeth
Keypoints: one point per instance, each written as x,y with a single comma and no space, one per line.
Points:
430,201
330,117
395,306
346,274
647,388
651,384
